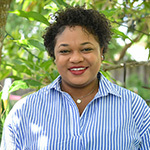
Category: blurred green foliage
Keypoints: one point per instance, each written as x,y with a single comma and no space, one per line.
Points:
135,84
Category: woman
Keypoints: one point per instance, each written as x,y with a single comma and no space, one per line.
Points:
81,109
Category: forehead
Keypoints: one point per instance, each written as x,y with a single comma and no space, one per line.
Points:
75,33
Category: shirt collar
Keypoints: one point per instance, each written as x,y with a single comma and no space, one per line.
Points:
105,86
55,84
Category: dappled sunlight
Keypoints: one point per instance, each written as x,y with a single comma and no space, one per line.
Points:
35,128
42,142
138,52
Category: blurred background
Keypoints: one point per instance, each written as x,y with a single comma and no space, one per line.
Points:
25,66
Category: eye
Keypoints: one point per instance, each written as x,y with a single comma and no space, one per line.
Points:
64,51
87,49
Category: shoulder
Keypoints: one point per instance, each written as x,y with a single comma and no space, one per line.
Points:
33,101
135,104
114,89
23,106
140,111
44,92
127,97
135,99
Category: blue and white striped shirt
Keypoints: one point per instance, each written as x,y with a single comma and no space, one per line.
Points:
116,119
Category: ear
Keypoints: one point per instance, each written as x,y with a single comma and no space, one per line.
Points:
101,51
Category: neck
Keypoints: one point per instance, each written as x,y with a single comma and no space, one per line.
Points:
80,91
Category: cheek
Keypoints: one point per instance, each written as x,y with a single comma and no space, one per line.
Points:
60,62
96,63
95,59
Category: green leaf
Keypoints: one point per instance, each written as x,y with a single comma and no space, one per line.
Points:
30,58
31,15
22,69
17,61
4,73
54,74
0,95
18,84
30,65
107,62
23,43
60,3
30,43
46,64
41,55
25,66
109,13
121,34
15,77
37,44
33,82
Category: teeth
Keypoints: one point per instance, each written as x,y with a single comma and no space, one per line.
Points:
77,69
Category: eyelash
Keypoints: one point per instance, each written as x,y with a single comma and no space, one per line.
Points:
64,51
87,49
83,50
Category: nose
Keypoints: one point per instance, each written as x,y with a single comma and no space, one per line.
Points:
76,57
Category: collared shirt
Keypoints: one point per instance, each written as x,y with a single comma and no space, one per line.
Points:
116,119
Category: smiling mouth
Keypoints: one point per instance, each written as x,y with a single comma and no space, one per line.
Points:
78,70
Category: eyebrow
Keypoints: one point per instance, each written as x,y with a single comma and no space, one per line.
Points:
86,43
65,45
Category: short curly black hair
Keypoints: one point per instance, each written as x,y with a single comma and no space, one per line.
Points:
90,19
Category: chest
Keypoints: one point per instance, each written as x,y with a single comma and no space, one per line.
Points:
102,125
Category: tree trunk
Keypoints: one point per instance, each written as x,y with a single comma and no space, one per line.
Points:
4,7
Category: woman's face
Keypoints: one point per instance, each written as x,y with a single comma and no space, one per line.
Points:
78,57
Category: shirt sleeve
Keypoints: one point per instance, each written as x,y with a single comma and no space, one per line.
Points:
9,140
8,137
141,115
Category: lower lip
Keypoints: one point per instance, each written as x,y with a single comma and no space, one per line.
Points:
78,72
